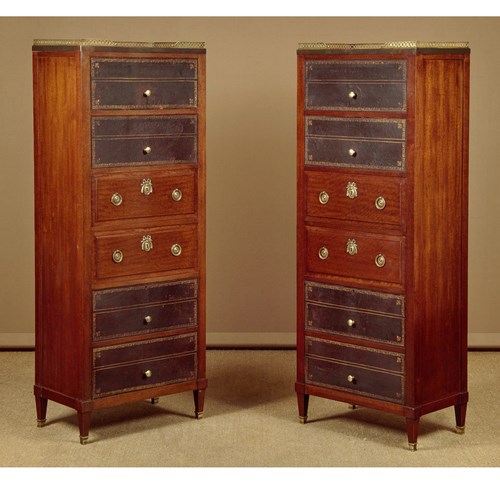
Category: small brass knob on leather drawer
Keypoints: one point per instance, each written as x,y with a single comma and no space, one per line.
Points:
324,197
352,152
176,194
148,373
117,256
148,319
351,323
351,378
176,250
380,203
117,199
352,95
147,93
323,253
147,150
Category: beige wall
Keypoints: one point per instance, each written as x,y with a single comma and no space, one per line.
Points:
251,85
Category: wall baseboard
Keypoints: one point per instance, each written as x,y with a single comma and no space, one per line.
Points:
239,340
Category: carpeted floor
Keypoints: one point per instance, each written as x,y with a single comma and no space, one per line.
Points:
250,421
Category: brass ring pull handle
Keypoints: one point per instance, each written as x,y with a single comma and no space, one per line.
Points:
324,197
146,187
147,150
351,378
148,373
176,250
352,95
117,256
380,260
147,93
116,199
176,194
323,253
380,203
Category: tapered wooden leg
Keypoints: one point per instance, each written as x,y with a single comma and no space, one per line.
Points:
199,401
460,411
303,401
84,424
41,410
412,431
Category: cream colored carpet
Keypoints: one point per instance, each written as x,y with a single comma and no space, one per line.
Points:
250,420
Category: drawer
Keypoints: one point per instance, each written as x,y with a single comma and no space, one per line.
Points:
354,313
113,298
136,141
355,379
143,83
373,144
146,194
146,251
354,254
362,85
145,319
358,355
144,374
148,349
350,197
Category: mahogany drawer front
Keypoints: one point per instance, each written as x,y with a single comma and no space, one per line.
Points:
147,349
358,355
355,298
354,323
146,194
366,143
143,83
355,379
145,319
137,141
354,254
348,197
363,85
113,298
144,374
146,251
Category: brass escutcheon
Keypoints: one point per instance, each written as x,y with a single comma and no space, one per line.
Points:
352,247
147,243
146,187
351,190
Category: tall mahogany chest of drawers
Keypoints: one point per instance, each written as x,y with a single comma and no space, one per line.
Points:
120,223
382,227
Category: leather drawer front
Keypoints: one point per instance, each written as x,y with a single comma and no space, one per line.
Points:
121,83
148,349
113,298
374,144
365,381
134,203
124,141
355,298
347,353
363,207
369,248
132,376
145,319
131,247
375,85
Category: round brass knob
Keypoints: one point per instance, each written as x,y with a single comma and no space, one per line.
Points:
352,152
147,93
399,338
351,323
176,194
352,95
148,373
324,197
380,260
117,199
323,253
117,256
351,378
146,150
176,250
148,319
380,203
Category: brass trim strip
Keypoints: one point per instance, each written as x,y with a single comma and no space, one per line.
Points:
84,42
386,45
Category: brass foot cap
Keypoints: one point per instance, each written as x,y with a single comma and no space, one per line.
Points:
412,446
40,422
198,414
155,401
460,430
83,439
302,420
352,407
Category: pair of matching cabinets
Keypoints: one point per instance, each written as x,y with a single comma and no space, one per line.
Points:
382,135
